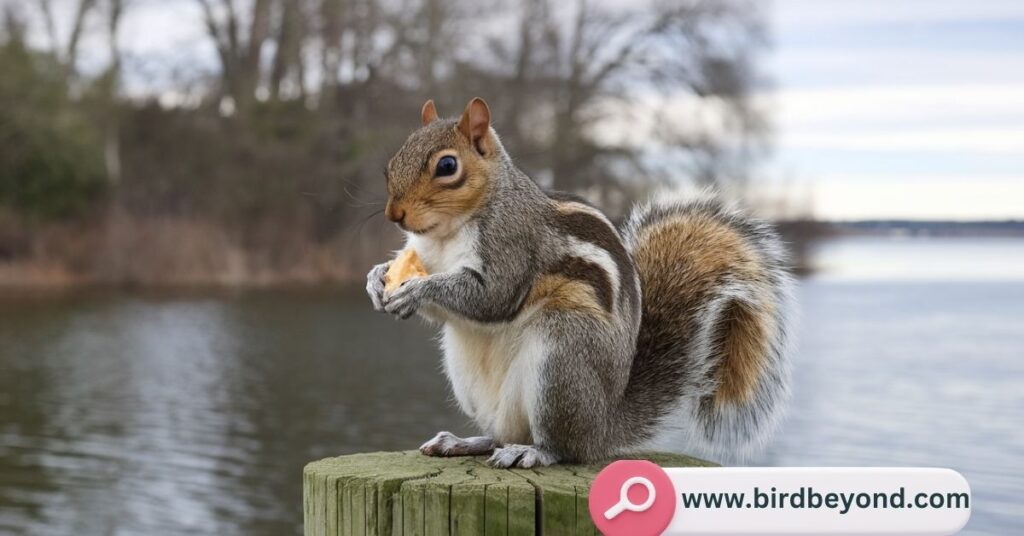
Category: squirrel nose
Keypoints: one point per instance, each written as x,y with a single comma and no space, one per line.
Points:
394,213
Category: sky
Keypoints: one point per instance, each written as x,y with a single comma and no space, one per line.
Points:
901,109
882,108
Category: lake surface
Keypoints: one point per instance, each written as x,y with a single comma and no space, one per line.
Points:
129,413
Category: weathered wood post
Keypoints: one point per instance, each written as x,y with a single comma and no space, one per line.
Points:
406,493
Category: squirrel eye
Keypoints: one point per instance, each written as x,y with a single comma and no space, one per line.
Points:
446,166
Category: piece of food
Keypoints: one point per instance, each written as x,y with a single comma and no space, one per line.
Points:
406,266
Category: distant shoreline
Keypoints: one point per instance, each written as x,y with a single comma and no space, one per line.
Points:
159,260
918,228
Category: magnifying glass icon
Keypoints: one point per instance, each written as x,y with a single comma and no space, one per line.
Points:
624,502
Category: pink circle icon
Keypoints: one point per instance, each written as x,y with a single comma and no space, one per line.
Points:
632,498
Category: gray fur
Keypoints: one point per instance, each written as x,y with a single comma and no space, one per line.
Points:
598,395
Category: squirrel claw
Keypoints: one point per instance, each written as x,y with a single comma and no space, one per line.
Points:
524,456
375,285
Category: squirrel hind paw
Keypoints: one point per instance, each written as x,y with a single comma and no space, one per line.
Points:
524,456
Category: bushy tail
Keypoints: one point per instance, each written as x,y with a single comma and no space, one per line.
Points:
710,372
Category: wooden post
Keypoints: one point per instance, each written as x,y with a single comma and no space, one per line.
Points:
406,493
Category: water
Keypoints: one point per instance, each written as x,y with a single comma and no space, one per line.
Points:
194,414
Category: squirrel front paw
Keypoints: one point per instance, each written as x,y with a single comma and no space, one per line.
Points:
524,456
406,300
375,285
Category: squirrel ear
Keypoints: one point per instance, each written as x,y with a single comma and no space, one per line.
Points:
428,114
475,124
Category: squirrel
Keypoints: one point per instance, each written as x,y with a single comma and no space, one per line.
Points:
566,339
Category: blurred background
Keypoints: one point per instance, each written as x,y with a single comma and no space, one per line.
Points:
191,194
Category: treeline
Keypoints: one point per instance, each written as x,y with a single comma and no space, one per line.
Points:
269,169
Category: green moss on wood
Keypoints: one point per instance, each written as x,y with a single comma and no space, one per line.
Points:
406,493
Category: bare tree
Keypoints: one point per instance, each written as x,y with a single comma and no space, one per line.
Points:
724,38
239,44
77,25
332,24
112,80
289,64
604,60
46,10
67,52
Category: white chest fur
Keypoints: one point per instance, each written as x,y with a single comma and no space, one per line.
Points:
495,375
448,254
494,369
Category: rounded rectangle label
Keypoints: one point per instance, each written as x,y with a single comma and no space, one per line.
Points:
781,500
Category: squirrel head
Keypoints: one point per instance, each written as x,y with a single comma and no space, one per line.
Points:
441,174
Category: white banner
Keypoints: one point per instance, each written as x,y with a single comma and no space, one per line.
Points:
636,498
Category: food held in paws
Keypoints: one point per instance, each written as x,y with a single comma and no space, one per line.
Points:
405,267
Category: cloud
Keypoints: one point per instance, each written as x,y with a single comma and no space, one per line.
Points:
867,65
888,105
929,152
975,140
853,197
791,14
908,108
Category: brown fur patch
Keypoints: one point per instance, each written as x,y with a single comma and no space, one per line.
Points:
706,254
707,248
578,269
744,344
558,292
